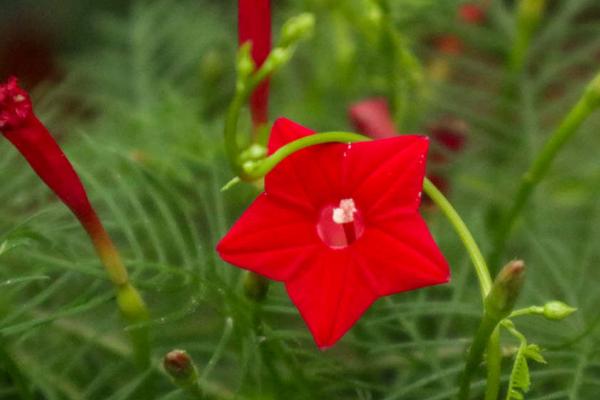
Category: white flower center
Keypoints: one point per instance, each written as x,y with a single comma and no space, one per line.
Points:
345,212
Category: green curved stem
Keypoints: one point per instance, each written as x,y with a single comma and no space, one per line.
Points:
481,268
588,103
529,15
264,166
494,366
487,335
232,148
243,92
480,342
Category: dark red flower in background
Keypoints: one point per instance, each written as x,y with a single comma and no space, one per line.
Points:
468,13
339,224
451,136
472,13
372,117
254,25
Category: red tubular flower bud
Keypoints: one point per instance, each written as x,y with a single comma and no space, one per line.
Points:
22,128
20,125
254,25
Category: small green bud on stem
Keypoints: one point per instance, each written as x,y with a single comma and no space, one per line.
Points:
180,367
245,65
531,10
296,29
557,310
256,287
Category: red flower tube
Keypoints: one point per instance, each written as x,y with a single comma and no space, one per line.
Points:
22,128
254,25
339,225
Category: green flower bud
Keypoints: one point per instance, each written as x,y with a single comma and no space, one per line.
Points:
211,66
245,63
532,9
256,286
505,290
254,152
277,58
374,14
557,310
296,29
180,367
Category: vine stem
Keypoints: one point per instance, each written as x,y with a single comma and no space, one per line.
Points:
487,333
538,169
481,268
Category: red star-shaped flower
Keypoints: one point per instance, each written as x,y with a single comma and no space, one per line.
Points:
339,224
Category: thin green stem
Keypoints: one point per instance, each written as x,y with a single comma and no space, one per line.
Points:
480,342
494,366
533,310
485,334
232,148
263,167
538,169
481,268
529,14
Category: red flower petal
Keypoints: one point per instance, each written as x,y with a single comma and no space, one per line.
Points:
271,239
400,255
331,296
385,177
308,178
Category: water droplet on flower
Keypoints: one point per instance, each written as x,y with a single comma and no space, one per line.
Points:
341,224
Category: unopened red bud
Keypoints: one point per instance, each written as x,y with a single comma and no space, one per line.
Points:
505,290
180,367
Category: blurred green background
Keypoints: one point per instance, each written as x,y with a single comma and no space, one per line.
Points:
135,91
